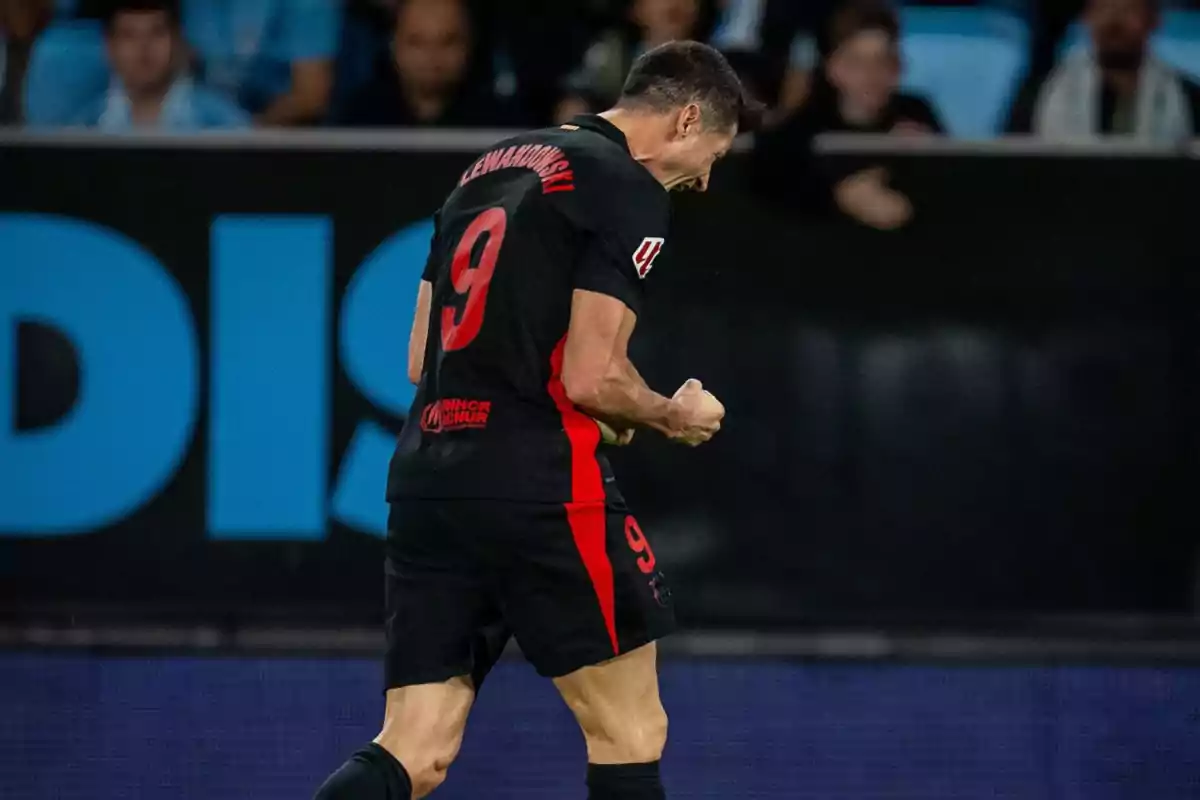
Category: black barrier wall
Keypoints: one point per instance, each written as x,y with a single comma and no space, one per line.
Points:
990,412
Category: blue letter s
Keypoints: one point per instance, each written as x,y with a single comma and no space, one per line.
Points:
377,315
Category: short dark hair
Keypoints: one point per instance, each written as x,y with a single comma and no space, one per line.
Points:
862,16
111,8
677,73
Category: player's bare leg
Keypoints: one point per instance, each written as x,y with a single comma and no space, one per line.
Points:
422,732
618,708
423,728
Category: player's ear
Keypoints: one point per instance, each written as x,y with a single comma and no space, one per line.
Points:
688,121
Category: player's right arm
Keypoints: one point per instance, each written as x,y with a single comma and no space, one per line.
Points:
420,331
600,379
625,218
419,334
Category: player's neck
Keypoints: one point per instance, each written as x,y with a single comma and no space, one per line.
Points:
643,135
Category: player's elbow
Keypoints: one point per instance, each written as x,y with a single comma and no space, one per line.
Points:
582,388
414,373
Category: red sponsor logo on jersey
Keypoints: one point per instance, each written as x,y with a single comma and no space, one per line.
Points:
454,414
648,250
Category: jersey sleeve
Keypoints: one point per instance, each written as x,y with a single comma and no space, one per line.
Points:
625,223
603,270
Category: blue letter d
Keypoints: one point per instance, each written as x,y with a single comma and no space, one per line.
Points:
132,332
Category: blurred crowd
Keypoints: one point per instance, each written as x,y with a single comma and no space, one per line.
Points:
1056,69
1072,67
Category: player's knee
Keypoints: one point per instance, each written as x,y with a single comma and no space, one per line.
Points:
629,738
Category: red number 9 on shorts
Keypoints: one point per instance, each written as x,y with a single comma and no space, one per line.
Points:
638,544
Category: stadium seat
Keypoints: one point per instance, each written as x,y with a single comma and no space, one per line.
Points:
1020,8
968,62
67,70
1177,41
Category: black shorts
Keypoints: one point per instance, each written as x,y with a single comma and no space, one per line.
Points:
575,584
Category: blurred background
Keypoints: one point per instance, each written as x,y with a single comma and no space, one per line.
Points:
946,546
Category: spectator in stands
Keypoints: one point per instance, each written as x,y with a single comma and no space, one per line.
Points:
774,44
274,56
425,80
366,33
1115,87
527,61
859,91
20,20
150,88
855,93
597,82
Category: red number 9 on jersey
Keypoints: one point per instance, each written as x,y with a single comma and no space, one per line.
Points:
473,283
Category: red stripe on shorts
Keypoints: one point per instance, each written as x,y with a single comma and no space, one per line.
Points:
586,511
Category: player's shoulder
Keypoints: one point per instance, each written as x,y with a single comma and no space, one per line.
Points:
596,142
582,168
605,173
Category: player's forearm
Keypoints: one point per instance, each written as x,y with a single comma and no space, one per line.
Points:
623,399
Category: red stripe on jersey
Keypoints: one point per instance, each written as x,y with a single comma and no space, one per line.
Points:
586,511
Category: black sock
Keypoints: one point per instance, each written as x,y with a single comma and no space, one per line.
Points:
625,782
371,774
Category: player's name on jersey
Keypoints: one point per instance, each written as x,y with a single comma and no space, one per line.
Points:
548,161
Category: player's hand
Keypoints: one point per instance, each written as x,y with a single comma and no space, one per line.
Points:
698,414
617,437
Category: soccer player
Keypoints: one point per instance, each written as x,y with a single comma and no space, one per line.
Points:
504,519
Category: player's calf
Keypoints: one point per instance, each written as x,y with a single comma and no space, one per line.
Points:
422,733
370,774
623,722
423,728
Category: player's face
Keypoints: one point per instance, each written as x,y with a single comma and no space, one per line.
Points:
1120,30
140,47
865,70
691,160
691,150
431,45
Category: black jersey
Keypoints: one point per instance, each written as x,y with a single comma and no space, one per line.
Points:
530,221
